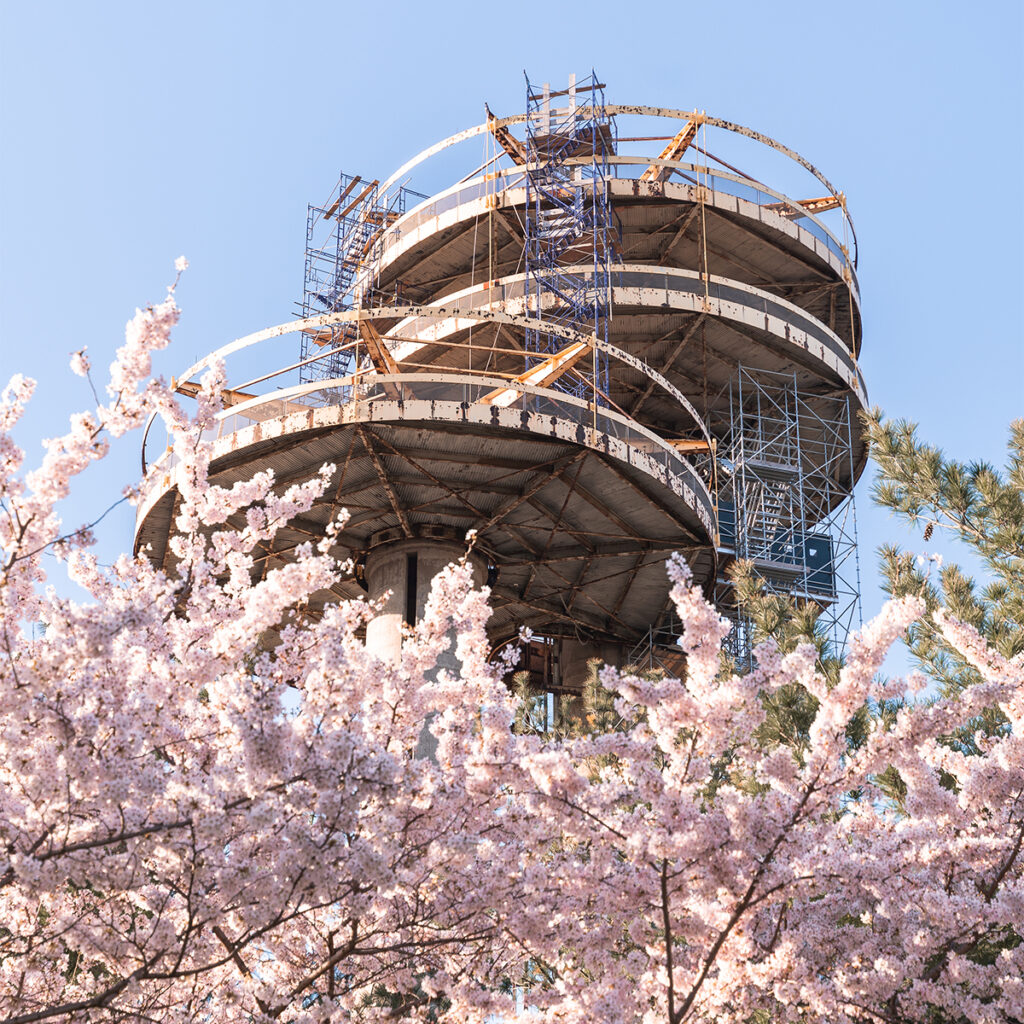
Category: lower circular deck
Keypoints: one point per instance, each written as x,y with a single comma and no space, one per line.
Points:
575,523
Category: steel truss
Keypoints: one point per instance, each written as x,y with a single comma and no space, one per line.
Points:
786,502
343,246
569,221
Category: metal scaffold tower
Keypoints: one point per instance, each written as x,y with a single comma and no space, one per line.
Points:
786,503
343,242
569,137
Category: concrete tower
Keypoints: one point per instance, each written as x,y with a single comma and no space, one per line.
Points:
603,344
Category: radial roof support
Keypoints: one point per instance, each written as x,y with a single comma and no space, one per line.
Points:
675,149
382,359
508,142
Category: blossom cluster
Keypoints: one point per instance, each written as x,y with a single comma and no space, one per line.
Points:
196,824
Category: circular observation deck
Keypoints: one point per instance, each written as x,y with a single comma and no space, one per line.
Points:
576,505
581,477
714,270
692,332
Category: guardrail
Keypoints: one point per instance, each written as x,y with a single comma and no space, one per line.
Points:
446,396
433,315
512,289
639,111
468,194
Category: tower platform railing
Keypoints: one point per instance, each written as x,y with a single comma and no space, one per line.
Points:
463,197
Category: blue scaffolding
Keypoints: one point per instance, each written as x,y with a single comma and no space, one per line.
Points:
785,502
569,230
343,243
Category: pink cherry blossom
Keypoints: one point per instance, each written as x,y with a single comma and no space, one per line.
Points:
200,825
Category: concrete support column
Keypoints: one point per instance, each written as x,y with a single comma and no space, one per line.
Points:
407,569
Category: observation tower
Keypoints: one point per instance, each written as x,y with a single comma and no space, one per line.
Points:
595,342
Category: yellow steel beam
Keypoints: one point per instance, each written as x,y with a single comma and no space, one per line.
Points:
191,388
358,199
320,338
690,446
542,374
819,205
381,357
675,149
337,202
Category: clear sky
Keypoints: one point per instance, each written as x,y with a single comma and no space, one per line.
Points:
131,133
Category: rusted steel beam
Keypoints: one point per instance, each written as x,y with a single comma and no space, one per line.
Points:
336,503
610,514
688,534
494,462
559,526
667,365
757,273
436,480
780,347
383,362
687,445
541,480
629,583
678,236
556,522
191,388
513,225
762,240
443,251
312,528
237,460
580,577
408,480
541,375
508,142
819,205
587,596
504,599
597,536
661,229
652,548
572,585
396,506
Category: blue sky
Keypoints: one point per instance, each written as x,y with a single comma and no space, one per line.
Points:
131,133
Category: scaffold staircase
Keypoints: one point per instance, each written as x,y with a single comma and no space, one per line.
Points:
568,219
777,513
344,239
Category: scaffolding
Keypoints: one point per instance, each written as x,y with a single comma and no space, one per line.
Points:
781,464
343,244
569,221
786,504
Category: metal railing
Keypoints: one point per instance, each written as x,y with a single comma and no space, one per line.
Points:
446,396
465,197
509,293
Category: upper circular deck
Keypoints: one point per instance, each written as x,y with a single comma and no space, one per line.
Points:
698,211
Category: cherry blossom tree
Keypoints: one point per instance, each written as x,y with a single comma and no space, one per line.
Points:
196,825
